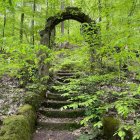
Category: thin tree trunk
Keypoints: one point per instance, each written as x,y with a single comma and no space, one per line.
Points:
33,23
96,59
4,21
68,30
100,10
13,15
62,23
21,27
4,26
131,12
47,6
107,15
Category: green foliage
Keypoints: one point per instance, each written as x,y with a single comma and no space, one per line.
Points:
93,93
33,99
21,61
73,59
106,56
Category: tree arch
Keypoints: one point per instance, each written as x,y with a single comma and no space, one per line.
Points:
73,13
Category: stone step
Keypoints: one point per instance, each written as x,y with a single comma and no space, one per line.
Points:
57,97
60,123
53,90
66,71
63,79
55,104
67,113
65,74
58,83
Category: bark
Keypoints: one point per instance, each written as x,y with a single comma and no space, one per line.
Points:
33,23
13,16
21,27
131,13
4,21
62,23
100,10
47,6
68,30
107,15
4,24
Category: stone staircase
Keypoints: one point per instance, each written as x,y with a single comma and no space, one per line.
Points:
51,116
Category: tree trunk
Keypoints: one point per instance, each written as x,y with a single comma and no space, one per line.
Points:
33,23
47,6
100,10
68,30
107,15
62,23
4,21
13,16
21,27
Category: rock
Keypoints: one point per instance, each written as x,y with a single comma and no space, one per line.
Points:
110,126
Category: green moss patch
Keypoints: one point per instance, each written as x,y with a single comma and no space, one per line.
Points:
30,114
15,128
21,126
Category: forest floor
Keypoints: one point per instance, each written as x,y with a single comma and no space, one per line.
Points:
82,133
11,96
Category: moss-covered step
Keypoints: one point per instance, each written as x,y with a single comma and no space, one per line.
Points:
57,97
55,104
65,74
63,79
60,123
66,71
56,91
67,113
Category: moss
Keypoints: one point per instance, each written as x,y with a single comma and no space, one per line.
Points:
29,112
33,99
19,127
60,126
110,126
15,128
63,113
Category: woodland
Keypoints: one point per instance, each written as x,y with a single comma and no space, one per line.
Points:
81,82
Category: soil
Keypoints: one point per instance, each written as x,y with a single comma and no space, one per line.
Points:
11,96
44,134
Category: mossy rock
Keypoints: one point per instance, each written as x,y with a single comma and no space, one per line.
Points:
29,112
33,99
15,128
110,126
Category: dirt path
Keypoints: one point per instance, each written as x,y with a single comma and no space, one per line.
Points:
43,134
